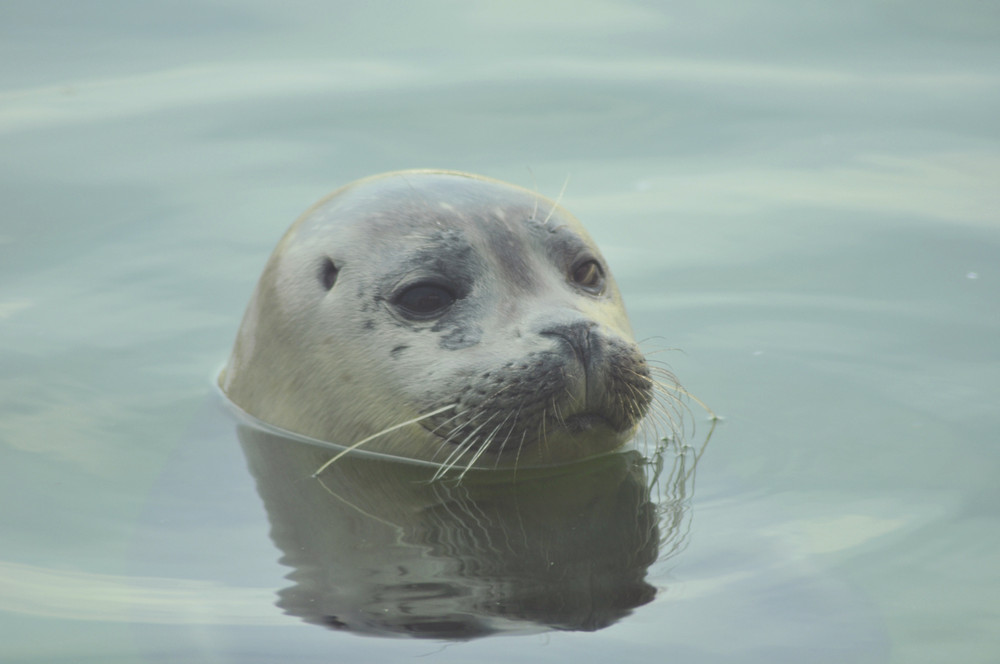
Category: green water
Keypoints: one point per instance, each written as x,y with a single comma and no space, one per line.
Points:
800,206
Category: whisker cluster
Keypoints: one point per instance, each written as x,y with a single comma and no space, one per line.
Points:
647,395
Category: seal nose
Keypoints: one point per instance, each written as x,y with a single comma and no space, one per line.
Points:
577,335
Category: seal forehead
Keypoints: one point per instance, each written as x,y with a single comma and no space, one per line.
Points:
510,246
446,222
438,250
448,214
398,195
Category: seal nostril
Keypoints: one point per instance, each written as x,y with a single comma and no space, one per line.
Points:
577,335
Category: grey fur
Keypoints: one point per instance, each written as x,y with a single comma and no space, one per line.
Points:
539,369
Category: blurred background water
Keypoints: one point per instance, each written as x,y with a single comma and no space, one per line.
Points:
800,200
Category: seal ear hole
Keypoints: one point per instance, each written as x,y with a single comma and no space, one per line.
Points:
328,274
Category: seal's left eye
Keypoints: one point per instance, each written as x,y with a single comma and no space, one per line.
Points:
589,275
424,301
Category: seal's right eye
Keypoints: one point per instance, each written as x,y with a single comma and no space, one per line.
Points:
424,301
589,275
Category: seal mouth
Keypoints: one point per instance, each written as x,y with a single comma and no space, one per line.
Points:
589,421
523,403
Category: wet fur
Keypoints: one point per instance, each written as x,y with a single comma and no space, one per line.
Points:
525,368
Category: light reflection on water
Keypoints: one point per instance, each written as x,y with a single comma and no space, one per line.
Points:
792,198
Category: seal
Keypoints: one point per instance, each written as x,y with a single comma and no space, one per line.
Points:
442,317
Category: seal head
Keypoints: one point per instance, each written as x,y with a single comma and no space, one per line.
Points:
421,291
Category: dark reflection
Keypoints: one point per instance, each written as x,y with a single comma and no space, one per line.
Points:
376,548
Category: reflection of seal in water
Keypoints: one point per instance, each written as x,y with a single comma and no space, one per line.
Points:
478,308
375,548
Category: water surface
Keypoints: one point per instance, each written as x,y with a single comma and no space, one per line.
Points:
800,206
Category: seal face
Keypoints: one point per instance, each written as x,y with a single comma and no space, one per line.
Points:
421,291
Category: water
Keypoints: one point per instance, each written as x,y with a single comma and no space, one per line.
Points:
799,203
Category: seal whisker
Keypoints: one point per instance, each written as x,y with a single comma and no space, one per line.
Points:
381,433
661,368
449,445
447,421
674,408
667,388
460,449
711,413
663,377
638,396
558,413
645,411
640,379
657,351
662,425
558,200
469,438
636,404
449,462
458,437
506,437
482,448
476,414
666,410
542,437
520,446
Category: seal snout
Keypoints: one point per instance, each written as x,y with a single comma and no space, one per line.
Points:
577,335
605,379
580,344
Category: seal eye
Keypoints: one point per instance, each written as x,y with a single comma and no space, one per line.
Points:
589,275
424,301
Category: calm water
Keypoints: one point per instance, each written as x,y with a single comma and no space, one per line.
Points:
801,207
